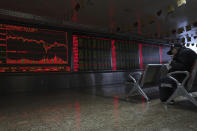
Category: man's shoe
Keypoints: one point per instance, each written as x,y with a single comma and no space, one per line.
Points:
171,102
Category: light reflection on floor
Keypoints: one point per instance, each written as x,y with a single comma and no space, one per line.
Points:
82,111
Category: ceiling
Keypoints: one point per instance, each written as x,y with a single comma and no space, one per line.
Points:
151,18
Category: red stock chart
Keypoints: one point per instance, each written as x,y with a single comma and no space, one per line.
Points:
24,49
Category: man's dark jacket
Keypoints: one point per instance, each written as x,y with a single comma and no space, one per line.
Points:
183,60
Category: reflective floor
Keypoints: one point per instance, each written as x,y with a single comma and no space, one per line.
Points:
94,109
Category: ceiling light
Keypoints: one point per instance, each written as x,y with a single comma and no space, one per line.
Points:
181,2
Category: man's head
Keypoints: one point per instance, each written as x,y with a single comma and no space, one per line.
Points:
174,49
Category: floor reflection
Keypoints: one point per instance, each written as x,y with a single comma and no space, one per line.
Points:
77,116
116,110
106,110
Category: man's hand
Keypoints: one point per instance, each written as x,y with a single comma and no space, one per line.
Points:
169,62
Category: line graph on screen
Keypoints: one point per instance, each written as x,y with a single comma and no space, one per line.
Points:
20,45
37,47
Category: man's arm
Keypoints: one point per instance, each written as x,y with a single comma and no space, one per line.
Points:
182,61
177,65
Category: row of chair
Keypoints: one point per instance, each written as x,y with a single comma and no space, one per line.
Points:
153,72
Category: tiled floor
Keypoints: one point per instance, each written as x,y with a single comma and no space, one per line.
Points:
105,111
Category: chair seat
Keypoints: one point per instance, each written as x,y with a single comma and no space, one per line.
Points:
146,79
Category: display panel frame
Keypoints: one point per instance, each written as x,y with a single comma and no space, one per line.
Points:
39,67
73,31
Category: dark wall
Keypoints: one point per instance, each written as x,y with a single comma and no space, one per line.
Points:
51,82
112,13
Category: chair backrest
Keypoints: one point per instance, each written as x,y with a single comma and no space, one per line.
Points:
151,74
192,78
164,71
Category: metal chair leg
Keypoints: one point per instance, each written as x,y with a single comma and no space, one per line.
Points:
132,90
174,95
143,93
139,89
189,97
181,91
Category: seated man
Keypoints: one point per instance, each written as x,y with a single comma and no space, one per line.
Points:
182,60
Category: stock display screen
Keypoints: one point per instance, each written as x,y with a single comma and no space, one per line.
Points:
36,49
91,54
127,55
100,54
27,49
